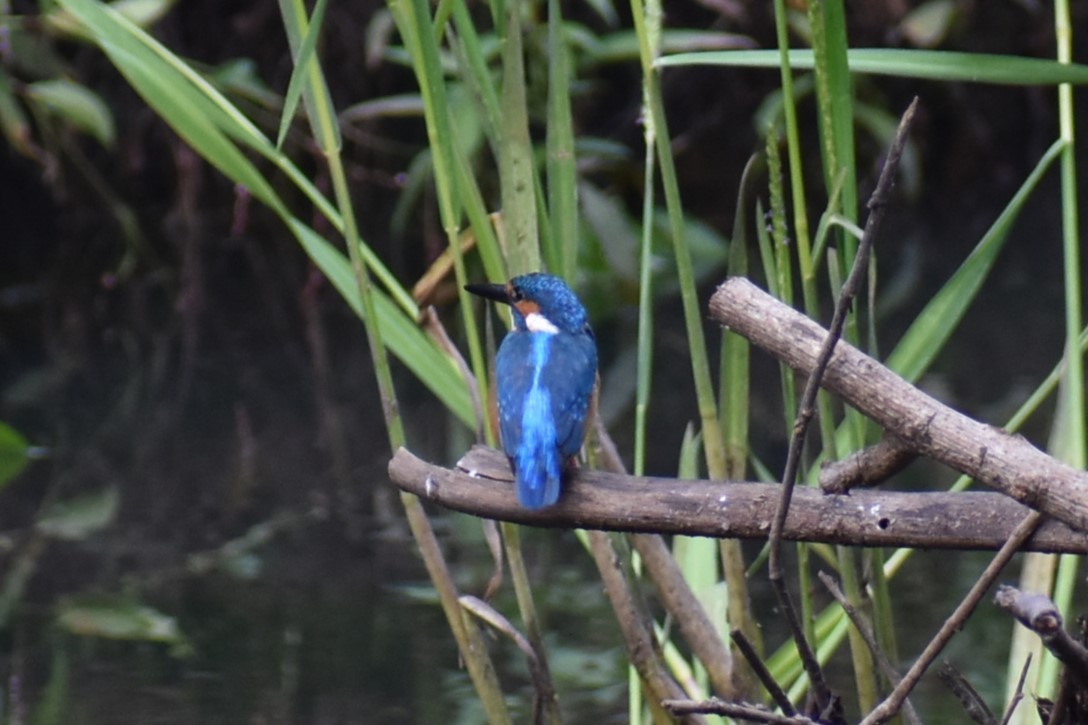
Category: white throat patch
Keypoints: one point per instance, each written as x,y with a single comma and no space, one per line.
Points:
537,322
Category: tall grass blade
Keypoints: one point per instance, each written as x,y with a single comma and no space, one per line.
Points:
304,48
937,65
562,191
516,171
414,22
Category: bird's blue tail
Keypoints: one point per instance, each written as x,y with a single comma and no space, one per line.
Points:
537,460
538,477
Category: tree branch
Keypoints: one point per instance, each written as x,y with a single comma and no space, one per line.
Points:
1005,462
1038,613
594,500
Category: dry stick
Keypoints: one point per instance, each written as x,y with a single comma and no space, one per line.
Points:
866,632
538,668
973,704
765,677
850,289
972,520
1016,698
1007,463
690,616
868,467
642,648
432,325
891,704
1038,613
747,713
675,592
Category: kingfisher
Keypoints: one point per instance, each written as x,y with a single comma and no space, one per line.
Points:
545,376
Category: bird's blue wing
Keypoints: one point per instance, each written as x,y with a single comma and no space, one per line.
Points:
572,388
544,385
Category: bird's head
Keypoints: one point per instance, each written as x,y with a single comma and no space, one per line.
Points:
541,303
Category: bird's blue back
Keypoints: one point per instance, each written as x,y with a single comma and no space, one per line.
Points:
547,380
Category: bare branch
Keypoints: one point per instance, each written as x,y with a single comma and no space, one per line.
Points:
690,616
867,467
1039,614
972,520
538,669
642,648
674,591
1004,462
760,669
973,704
748,713
1019,691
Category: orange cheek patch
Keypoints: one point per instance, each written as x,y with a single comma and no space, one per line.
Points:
526,308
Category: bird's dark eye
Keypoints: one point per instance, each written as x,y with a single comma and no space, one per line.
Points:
516,295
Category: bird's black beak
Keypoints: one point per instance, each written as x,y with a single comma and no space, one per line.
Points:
497,292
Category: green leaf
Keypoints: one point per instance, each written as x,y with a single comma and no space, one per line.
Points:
117,618
14,453
77,105
562,174
202,116
77,518
305,72
606,216
927,64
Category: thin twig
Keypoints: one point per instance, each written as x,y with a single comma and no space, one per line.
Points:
850,290
760,670
675,592
890,706
868,467
1019,695
642,648
973,704
748,713
886,667
538,668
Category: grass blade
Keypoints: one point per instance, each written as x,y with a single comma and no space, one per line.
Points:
938,65
304,60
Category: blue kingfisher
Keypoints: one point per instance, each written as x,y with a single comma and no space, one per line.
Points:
545,374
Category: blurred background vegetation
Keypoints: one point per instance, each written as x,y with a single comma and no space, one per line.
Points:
196,522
